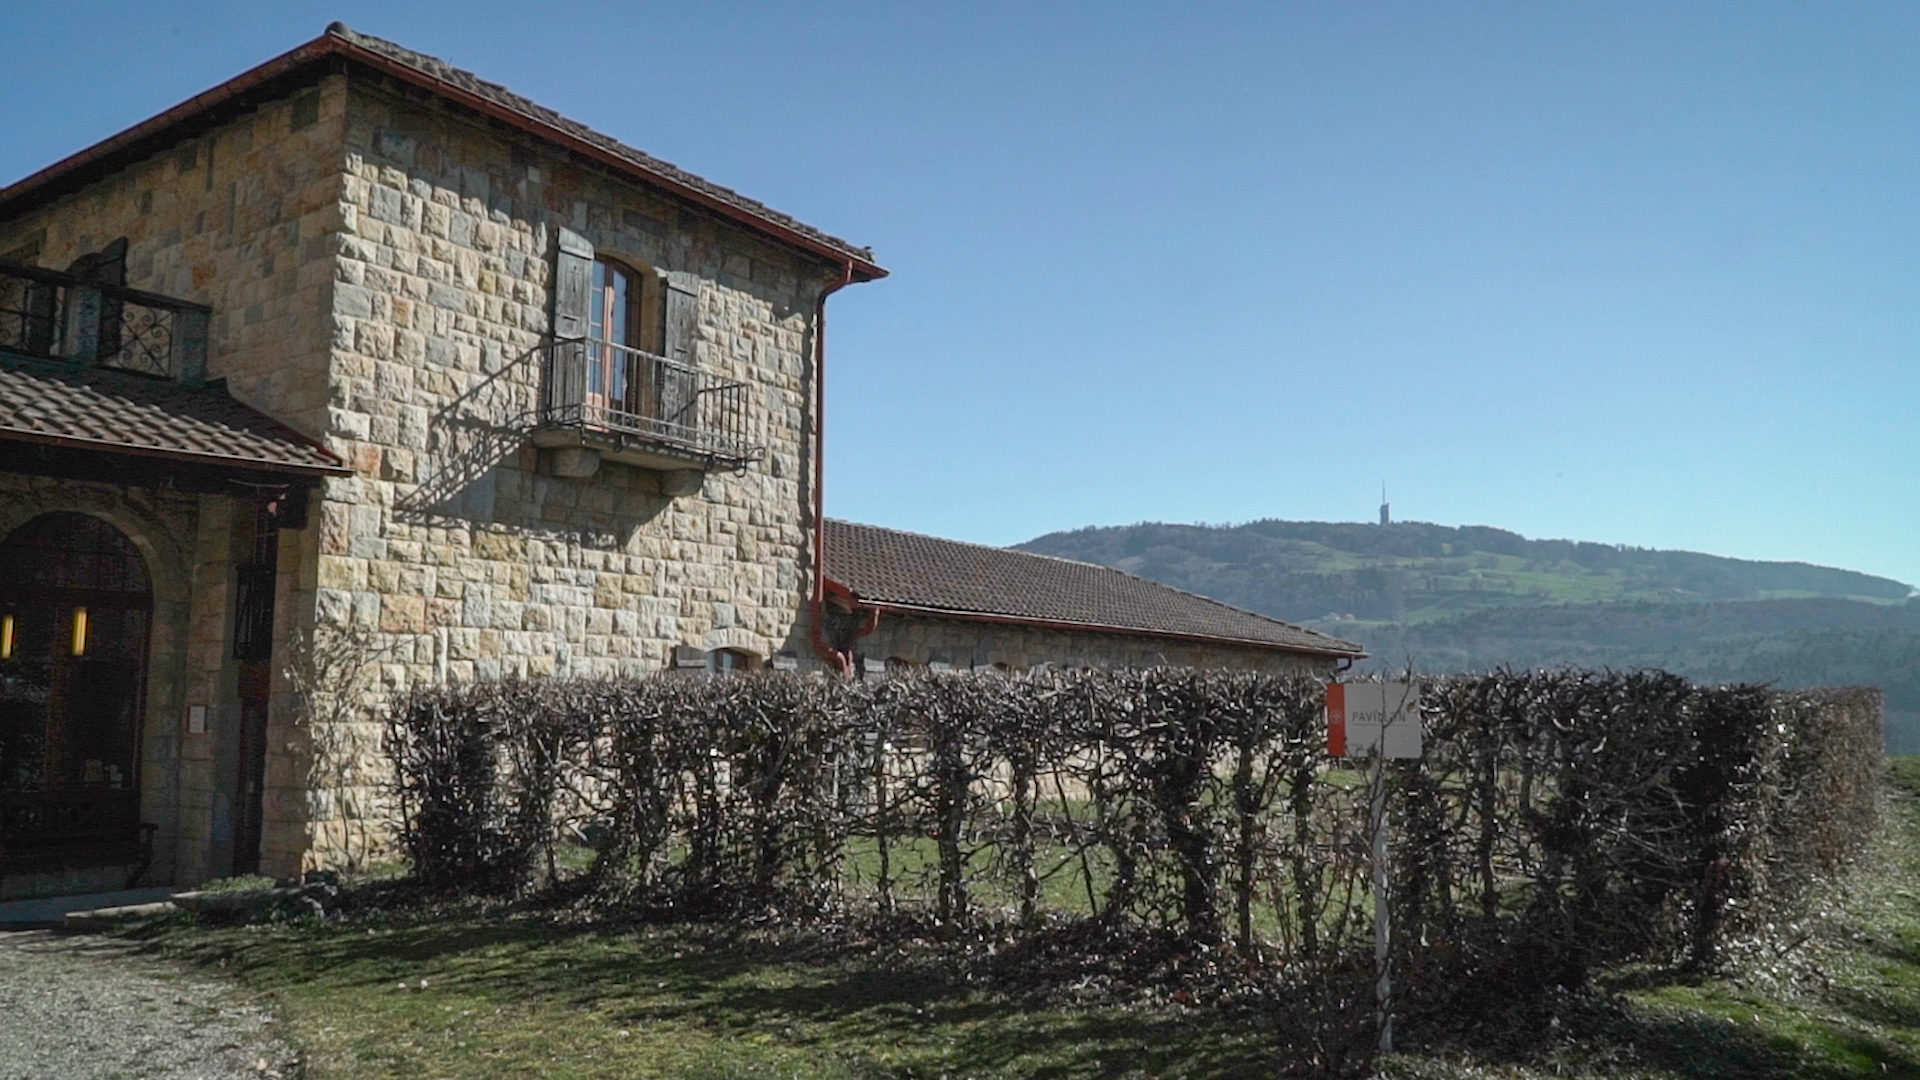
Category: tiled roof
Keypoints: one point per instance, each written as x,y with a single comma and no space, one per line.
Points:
889,567
98,409
442,72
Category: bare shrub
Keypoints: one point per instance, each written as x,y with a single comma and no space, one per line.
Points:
1559,821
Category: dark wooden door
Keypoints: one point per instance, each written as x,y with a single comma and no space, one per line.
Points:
75,608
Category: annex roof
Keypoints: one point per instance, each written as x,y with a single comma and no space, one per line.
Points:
340,42
888,568
99,409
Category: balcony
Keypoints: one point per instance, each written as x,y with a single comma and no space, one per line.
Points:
634,407
49,315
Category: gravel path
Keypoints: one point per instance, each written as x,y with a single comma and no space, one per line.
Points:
92,1008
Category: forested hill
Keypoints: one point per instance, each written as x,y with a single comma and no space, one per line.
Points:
1469,599
1414,572
1791,642
1785,642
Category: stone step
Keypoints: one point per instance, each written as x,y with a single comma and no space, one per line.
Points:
103,918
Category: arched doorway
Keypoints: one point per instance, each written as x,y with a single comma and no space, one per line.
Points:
76,604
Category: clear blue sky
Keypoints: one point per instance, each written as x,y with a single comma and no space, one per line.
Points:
1637,273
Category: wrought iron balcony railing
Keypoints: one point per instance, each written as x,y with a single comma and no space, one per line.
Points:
623,399
51,315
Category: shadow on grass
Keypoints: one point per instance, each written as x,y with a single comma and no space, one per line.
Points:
1604,1035
851,1003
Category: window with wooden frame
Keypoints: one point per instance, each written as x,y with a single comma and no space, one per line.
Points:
623,313
623,359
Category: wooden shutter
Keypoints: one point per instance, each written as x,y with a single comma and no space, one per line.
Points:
110,265
93,320
42,326
683,314
572,286
110,268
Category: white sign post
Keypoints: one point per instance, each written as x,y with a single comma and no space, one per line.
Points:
1364,717
1381,721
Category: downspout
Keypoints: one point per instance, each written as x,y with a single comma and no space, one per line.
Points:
839,661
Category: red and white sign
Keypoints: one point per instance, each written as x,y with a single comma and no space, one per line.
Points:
1364,717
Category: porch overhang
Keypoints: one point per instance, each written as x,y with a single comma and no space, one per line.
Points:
92,424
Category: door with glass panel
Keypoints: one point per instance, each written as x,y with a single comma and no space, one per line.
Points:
75,607
612,337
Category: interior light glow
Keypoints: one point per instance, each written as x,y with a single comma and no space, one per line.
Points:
79,631
6,637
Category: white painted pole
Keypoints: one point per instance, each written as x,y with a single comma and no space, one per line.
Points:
1382,929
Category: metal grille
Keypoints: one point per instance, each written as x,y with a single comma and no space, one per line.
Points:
145,341
51,315
601,386
253,613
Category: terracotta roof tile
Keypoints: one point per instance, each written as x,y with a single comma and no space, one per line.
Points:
108,410
886,566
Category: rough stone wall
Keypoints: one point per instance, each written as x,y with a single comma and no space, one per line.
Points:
378,271
965,644
454,549
244,218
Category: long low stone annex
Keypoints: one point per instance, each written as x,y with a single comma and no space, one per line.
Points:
358,363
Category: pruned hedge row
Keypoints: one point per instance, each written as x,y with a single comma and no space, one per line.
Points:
1559,819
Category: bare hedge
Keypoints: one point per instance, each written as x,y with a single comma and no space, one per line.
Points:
1560,820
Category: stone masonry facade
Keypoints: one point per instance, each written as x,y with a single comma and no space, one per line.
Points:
242,218
378,267
380,263
455,545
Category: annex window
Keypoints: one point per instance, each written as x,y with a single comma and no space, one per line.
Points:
727,661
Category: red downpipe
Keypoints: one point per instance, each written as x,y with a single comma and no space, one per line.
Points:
837,660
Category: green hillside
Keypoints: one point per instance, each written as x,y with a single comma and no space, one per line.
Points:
1413,572
1790,643
1462,599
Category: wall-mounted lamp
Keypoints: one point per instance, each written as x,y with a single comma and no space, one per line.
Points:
79,631
6,637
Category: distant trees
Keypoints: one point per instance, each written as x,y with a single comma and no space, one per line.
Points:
1461,604
1244,565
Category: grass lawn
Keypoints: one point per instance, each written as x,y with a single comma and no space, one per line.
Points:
464,995
474,998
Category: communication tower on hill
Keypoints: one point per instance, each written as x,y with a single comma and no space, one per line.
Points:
1386,518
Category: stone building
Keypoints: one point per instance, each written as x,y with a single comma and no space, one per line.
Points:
359,372
360,353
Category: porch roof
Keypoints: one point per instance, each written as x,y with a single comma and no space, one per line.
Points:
101,410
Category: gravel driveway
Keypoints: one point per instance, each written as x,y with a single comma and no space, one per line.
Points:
88,1008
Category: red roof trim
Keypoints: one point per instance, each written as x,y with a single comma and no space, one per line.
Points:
330,44
283,64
